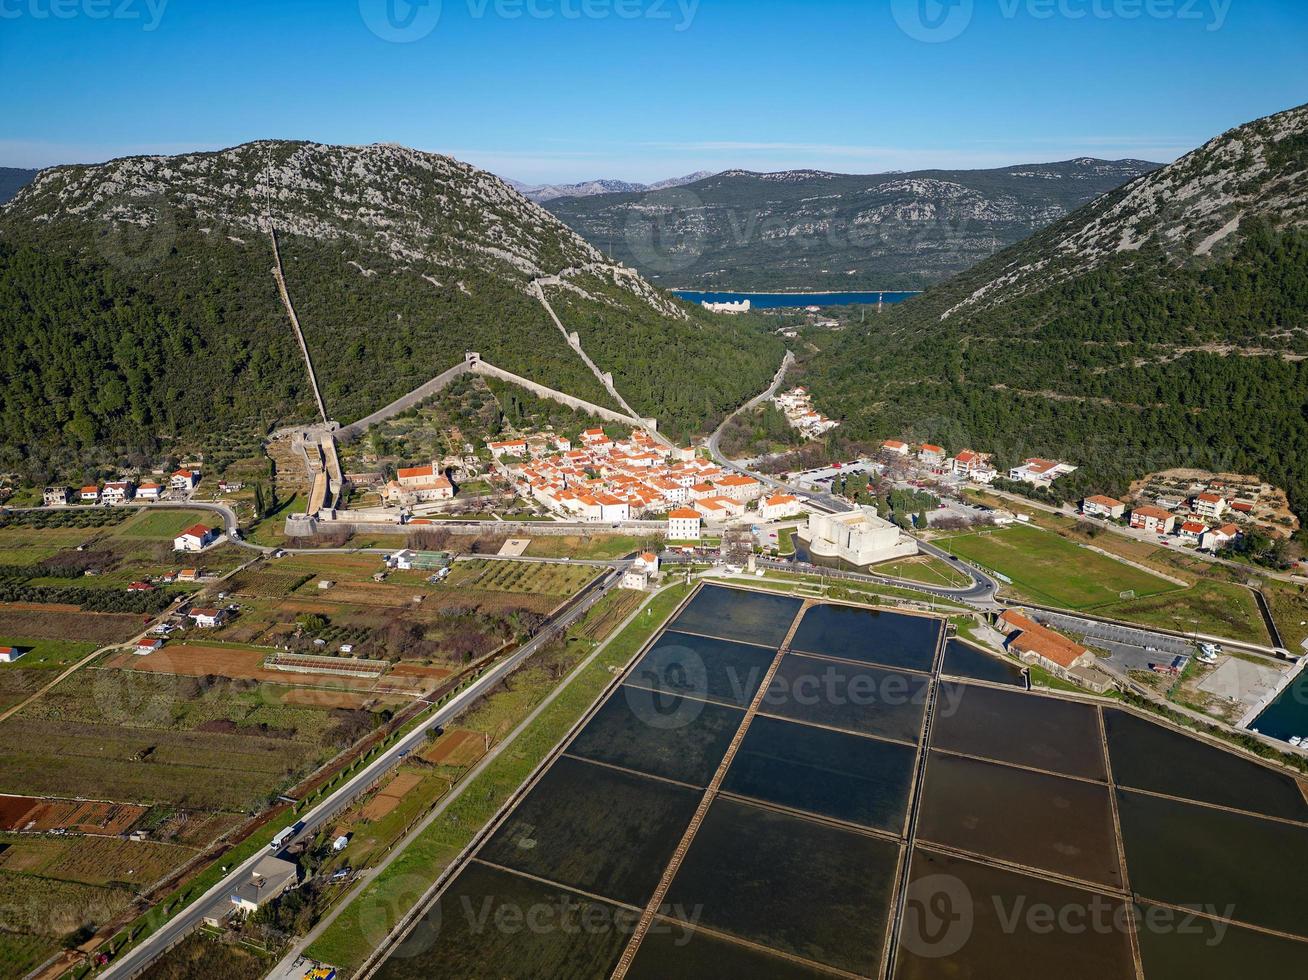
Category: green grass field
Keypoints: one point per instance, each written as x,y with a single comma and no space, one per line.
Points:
164,525
45,654
1050,569
924,569
1215,608
589,547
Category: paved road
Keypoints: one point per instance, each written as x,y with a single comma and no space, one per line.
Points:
138,958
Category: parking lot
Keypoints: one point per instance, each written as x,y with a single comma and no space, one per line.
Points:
1130,649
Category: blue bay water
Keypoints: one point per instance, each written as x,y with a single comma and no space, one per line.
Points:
779,301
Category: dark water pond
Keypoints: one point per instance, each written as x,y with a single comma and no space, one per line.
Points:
868,636
659,734
969,921
849,777
703,667
733,614
791,884
1008,726
966,661
478,929
602,831
1042,821
867,700
1151,757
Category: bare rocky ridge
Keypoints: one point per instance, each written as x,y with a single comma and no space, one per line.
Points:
1192,208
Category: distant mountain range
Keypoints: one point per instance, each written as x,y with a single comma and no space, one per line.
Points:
1165,324
811,229
12,180
540,193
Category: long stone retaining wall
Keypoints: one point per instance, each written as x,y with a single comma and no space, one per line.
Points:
473,364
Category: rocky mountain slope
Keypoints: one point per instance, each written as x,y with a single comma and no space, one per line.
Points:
811,229
1164,324
139,306
540,193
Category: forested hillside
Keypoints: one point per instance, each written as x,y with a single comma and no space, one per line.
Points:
140,310
1164,326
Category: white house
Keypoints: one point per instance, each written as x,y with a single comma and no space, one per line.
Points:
931,455
149,491
1155,520
647,562
184,481
894,447
510,447
56,496
1192,530
1040,472
90,494
9,654
1101,506
195,538
1219,537
720,509
1210,505
149,645
742,488
270,877
208,619
778,506
684,524
117,493
635,579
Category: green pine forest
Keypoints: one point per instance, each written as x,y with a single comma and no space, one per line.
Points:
1137,366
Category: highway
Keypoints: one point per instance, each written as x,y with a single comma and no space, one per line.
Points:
139,957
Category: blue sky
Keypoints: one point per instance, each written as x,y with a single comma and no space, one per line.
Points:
547,90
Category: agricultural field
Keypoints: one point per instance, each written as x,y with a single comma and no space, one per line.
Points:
590,547
91,860
925,569
1050,569
161,738
530,577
